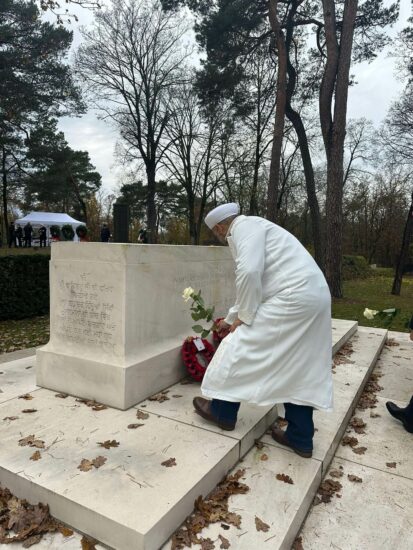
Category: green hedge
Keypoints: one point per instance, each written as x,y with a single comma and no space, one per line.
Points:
355,267
24,286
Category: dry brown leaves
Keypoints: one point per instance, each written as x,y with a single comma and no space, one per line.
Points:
328,489
36,456
31,441
21,521
160,397
88,544
224,542
359,450
298,544
354,479
213,509
285,478
260,525
368,398
29,410
61,395
134,426
141,415
87,465
391,464
169,463
66,531
26,396
391,342
349,440
94,405
264,457
342,356
10,418
358,425
336,473
108,444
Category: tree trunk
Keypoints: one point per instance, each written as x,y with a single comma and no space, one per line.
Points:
150,204
335,78
404,251
193,233
272,195
4,194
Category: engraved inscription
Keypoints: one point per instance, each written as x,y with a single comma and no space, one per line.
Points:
86,312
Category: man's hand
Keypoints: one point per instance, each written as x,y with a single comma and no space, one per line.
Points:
235,325
223,328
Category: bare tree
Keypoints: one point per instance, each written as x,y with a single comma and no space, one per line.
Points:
130,61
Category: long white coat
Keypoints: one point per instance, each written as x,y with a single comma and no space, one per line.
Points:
283,351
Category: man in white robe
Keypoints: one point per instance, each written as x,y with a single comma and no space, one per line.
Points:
279,347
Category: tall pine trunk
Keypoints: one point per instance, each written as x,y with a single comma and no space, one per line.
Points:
151,214
404,252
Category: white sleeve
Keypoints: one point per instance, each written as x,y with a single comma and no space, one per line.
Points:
232,314
250,261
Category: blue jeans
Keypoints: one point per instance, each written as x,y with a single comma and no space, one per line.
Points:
300,430
225,411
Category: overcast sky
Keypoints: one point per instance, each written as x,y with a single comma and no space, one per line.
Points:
376,88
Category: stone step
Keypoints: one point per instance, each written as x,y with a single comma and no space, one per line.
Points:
132,501
281,505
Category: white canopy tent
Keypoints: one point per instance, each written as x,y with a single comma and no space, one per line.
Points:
48,219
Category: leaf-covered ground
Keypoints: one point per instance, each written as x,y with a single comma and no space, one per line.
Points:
24,333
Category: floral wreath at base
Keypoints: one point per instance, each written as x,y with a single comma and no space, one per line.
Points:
190,356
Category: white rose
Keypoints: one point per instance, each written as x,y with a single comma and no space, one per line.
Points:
369,313
188,293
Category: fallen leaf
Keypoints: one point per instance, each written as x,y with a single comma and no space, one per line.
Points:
29,410
134,426
26,396
328,488
264,457
31,441
10,418
359,450
160,397
260,525
224,542
88,544
207,544
358,425
99,461
92,404
285,478
36,456
391,342
61,395
351,441
226,527
108,444
141,415
177,396
168,463
298,544
87,465
354,478
335,473
259,444
32,540
66,532
391,464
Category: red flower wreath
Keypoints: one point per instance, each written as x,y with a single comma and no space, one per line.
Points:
190,357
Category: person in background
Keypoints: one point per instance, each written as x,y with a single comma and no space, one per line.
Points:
19,236
142,237
42,235
12,235
28,230
404,414
105,233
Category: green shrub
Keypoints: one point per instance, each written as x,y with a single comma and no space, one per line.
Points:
355,267
24,286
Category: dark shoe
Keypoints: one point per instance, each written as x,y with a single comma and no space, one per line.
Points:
203,408
279,436
400,414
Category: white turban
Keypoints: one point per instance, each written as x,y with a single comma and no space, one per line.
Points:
221,213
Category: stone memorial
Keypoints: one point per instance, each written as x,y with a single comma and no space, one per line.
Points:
118,320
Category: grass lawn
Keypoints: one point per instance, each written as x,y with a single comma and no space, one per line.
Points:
6,251
374,293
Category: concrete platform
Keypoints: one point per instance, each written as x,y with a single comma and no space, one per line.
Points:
132,501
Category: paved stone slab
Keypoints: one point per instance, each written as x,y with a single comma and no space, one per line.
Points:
342,331
19,354
132,501
252,420
17,377
376,514
55,541
349,379
281,505
396,367
386,441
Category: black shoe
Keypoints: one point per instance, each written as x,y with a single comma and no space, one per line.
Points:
400,414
